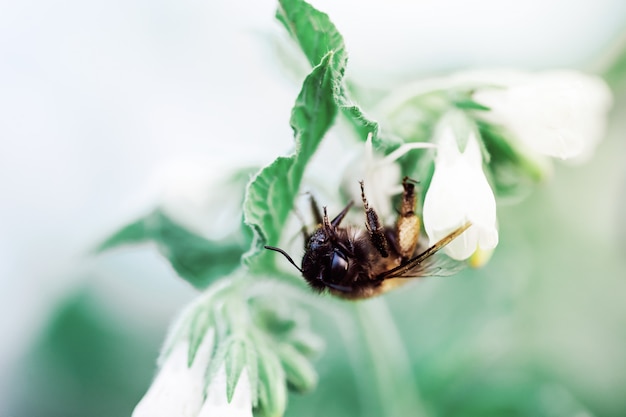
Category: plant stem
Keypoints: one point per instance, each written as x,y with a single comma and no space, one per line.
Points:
399,395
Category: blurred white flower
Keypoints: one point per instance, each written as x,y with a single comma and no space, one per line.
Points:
458,193
178,390
557,113
380,174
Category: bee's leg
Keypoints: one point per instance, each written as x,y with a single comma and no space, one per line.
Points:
315,209
319,218
408,223
317,215
376,231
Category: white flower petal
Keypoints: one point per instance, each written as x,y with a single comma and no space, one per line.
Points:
458,193
177,390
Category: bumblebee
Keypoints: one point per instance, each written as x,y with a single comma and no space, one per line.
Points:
355,262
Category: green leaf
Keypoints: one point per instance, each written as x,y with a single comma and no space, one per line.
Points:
462,99
306,342
512,174
362,124
276,317
252,367
197,260
272,389
199,327
259,331
317,35
270,194
469,104
301,375
313,31
234,362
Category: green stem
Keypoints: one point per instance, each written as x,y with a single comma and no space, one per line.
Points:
398,391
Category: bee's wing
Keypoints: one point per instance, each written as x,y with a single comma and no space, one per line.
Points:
425,264
434,266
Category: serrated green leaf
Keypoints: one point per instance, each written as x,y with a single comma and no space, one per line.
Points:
316,35
198,328
218,358
252,367
234,363
270,194
266,336
197,260
272,389
268,201
301,375
362,124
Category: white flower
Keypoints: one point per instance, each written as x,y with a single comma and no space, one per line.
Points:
381,176
458,193
557,113
178,390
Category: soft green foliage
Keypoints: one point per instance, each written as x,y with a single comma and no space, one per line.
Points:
87,361
196,259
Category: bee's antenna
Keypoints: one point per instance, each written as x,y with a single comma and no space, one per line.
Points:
327,226
282,252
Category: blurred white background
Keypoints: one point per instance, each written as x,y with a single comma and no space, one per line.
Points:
99,98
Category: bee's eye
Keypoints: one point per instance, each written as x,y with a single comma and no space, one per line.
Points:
338,265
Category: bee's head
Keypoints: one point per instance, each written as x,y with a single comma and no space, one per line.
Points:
325,263
328,257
